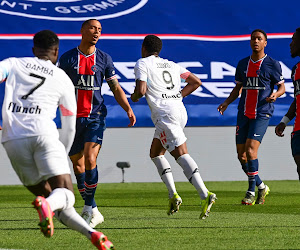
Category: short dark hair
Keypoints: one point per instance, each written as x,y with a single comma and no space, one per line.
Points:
298,30
152,43
87,21
261,31
45,39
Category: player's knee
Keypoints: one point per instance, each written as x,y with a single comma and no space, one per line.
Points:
90,161
251,154
70,197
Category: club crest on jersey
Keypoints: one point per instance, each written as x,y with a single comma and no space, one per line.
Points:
70,10
95,68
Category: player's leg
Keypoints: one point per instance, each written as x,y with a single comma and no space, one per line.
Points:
77,157
90,210
79,171
191,171
241,153
241,137
297,161
295,146
93,139
157,152
61,200
257,130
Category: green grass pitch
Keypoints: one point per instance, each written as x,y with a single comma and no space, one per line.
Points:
135,218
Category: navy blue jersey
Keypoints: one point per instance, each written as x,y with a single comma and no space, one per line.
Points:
296,82
87,73
258,80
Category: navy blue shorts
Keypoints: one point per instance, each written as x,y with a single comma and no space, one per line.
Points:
250,128
87,130
295,143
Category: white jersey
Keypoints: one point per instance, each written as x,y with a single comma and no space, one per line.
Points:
163,79
34,90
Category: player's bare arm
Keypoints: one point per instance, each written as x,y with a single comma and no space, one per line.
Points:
139,90
278,93
233,95
279,129
193,83
122,100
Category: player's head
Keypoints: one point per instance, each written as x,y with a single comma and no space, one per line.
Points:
258,40
152,45
45,45
295,44
90,31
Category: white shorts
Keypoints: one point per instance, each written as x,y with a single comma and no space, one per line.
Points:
169,129
38,158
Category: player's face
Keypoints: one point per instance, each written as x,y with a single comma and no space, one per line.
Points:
91,32
295,45
258,42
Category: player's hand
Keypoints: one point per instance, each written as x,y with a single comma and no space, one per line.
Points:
222,107
271,98
131,117
133,98
0,128
279,129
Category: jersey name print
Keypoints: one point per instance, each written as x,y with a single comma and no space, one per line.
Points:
163,79
258,80
34,89
87,73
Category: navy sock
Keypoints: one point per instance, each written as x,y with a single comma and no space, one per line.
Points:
245,167
80,184
258,180
91,181
252,173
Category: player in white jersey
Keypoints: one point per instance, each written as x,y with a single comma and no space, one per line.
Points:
160,81
34,89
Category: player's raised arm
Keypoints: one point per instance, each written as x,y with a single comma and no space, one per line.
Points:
122,100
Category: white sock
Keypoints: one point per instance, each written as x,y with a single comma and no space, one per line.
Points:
250,192
61,198
190,169
165,173
73,220
261,186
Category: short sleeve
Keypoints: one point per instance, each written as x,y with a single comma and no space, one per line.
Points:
276,76
140,71
5,68
184,73
109,69
239,74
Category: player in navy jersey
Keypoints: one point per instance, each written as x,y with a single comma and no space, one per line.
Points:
294,108
87,66
255,77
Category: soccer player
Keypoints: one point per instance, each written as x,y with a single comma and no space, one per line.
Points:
294,108
255,76
87,65
160,81
34,89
